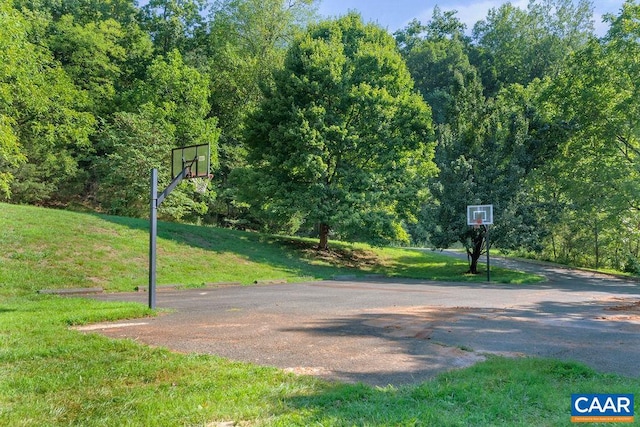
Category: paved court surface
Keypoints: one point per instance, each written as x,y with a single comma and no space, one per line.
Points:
400,331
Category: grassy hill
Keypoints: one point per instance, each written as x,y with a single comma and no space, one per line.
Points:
45,248
53,375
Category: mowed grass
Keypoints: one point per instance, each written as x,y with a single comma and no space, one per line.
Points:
44,248
53,375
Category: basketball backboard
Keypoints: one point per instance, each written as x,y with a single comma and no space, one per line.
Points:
197,158
479,215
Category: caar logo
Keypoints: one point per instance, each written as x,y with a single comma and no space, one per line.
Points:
602,408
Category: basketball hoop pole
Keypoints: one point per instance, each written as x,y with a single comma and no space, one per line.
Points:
153,234
488,264
156,200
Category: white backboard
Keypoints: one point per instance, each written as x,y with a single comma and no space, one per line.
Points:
196,157
479,214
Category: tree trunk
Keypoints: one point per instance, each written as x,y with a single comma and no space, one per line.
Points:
596,236
324,236
475,253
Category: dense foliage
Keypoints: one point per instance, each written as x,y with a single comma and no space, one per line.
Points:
341,139
333,126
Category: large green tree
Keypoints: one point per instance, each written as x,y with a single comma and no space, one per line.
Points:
485,160
486,146
173,112
99,43
17,61
41,114
514,45
599,167
437,55
173,24
245,43
89,56
342,140
83,11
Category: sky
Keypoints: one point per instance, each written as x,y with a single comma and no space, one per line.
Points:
396,14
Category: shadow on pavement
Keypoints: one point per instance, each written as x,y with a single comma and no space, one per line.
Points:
415,344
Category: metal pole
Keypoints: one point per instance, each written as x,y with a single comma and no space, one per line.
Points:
153,233
488,264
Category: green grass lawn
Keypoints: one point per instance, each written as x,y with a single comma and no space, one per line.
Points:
52,375
45,248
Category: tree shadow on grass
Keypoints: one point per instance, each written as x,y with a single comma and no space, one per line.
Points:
299,257
255,247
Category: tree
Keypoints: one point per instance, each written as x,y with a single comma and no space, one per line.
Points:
83,11
181,93
485,146
246,42
15,56
485,160
437,57
99,43
41,115
342,140
492,132
173,113
597,172
97,52
132,144
90,55
442,26
173,24
518,46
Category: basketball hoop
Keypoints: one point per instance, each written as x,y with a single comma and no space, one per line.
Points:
479,215
201,184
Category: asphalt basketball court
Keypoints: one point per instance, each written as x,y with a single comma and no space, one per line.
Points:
399,331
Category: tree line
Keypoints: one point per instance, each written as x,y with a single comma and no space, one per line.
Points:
334,128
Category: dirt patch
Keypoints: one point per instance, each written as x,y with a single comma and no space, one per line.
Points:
628,310
351,258
633,307
361,259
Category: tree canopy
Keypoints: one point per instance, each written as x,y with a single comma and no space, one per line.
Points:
342,140
334,127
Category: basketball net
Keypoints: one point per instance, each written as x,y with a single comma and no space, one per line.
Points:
478,223
201,184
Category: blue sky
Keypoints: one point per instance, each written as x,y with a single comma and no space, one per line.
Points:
395,14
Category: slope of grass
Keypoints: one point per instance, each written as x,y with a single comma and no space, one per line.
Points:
45,248
52,375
